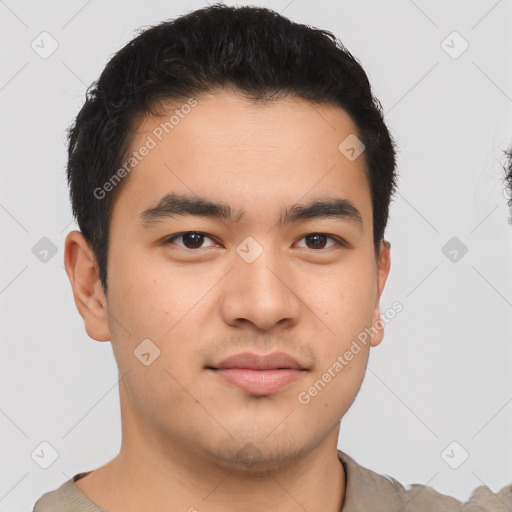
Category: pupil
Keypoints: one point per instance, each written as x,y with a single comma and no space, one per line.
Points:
196,240
316,237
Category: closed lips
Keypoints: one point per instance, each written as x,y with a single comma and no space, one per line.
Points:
251,361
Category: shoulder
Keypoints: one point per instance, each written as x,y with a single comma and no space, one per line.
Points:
66,498
368,490
51,501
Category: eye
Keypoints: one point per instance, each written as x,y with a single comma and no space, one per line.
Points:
318,240
191,239
195,239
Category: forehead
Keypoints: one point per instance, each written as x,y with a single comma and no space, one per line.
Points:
249,155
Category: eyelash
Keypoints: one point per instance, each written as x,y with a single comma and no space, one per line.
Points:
338,240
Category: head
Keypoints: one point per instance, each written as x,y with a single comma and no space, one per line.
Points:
260,141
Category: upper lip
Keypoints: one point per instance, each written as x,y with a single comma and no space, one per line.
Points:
273,361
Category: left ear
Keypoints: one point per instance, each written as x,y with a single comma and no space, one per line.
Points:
383,267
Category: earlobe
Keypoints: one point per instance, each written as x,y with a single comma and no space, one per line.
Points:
82,270
378,328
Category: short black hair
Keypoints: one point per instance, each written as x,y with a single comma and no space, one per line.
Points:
508,181
252,50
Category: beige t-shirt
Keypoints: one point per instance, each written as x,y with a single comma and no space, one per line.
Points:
366,491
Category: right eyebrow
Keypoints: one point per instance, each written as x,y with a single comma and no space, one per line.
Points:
173,205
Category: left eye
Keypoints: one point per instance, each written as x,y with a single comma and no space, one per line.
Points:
319,239
194,240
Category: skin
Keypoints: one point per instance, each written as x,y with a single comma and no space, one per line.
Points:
183,428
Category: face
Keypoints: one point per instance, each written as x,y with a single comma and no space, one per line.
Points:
186,291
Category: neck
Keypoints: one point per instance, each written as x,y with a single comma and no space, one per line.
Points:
153,472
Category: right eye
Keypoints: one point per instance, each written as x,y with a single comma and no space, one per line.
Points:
191,239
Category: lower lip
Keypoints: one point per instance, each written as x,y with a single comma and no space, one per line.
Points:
259,382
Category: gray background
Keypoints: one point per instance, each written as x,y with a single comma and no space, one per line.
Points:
442,373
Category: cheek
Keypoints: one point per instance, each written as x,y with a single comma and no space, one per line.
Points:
156,318
345,303
150,295
343,300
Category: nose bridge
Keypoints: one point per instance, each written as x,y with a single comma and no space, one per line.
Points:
258,289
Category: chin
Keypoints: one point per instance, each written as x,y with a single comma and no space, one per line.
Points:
257,456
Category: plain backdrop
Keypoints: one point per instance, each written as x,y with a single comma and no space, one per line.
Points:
439,387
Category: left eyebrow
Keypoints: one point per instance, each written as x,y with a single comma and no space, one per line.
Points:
174,205
329,207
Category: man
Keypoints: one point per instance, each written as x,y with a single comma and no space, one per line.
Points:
231,175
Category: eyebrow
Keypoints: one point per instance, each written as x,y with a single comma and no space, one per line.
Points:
175,205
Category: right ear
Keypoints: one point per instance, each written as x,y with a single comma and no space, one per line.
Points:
83,273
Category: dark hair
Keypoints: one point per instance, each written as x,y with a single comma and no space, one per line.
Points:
254,51
508,180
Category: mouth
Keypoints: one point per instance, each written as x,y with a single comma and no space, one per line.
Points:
259,375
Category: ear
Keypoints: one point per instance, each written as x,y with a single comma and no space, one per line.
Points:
383,267
82,270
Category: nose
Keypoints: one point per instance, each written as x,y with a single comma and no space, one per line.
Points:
261,293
